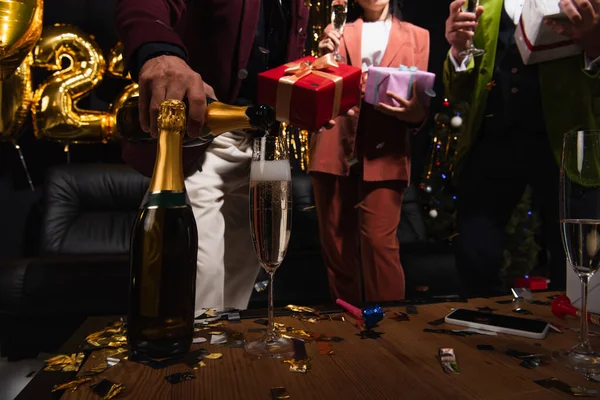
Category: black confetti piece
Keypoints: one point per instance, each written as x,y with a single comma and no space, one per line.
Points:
179,377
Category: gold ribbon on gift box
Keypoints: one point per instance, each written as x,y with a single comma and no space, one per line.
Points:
298,70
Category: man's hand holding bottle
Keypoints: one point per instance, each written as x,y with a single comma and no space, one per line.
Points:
170,77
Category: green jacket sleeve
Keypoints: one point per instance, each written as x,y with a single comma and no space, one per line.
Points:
459,86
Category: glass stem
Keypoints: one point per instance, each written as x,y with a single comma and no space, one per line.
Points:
583,333
271,333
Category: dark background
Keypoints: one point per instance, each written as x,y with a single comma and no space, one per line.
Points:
19,209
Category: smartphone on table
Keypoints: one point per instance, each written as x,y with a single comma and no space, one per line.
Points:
525,327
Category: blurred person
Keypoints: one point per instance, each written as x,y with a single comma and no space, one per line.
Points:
513,131
361,167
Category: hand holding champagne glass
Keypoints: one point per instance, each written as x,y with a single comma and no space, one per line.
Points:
271,224
339,9
471,6
460,28
580,223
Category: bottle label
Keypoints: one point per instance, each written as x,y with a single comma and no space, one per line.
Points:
166,199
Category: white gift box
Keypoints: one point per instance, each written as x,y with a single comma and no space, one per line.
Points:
574,290
536,41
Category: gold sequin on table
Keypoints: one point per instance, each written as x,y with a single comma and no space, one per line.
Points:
113,335
213,356
299,366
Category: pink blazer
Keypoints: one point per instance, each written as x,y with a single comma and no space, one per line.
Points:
381,142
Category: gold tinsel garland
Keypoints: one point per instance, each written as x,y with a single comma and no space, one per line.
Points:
320,17
298,140
297,143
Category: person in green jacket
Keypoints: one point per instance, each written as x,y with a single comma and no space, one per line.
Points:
513,127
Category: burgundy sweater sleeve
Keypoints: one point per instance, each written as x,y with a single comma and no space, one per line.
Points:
147,21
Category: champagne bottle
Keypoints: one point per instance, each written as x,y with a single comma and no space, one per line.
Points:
164,248
219,118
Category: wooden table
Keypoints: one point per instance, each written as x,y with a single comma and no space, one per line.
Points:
402,364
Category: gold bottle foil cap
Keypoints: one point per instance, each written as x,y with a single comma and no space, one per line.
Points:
172,115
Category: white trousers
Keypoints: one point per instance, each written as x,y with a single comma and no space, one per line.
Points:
227,264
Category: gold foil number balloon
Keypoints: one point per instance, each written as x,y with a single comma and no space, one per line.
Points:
16,95
20,29
55,112
116,67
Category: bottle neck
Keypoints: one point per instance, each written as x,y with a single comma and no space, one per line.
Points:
221,118
168,169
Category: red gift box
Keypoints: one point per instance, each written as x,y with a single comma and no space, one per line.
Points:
532,283
311,91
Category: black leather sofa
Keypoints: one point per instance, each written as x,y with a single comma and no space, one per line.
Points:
82,266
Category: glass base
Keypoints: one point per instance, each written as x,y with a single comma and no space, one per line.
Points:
471,52
277,347
339,58
580,359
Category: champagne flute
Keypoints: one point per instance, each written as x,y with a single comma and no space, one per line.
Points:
271,224
471,6
580,228
339,9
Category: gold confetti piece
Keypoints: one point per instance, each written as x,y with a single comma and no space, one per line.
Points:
199,365
59,359
64,362
295,308
76,364
214,356
279,393
300,366
117,344
113,333
73,385
115,391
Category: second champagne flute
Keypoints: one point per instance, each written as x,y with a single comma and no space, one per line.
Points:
471,7
580,223
271,225
339,9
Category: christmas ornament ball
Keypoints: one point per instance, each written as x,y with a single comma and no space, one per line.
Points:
456,121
